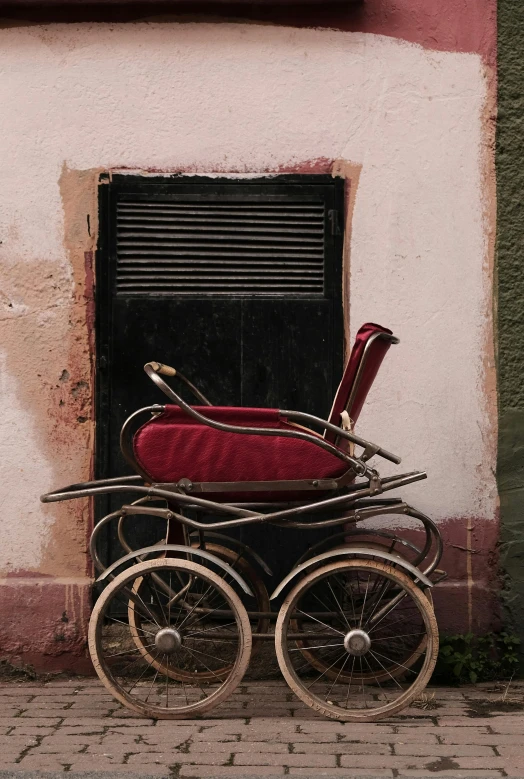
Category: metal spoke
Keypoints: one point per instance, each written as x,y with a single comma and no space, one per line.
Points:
151,588
385,669
204,616
339,606
402,635
364,603
152,684
206,654
206,666
127,651
336,678
308,648
169,606
146,669
209,630
350,680
394,661
392,608
350,594
167,667
362,682
329,627
126,624
195,606
385,587
185,693
325,671
147,610
374,674
322,603
401,620
219,640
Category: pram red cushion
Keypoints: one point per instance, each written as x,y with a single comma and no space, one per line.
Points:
173,446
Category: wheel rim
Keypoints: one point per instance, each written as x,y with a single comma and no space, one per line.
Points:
359,620
188,617
390,671
261,626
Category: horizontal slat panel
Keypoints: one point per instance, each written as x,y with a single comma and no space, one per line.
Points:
220,247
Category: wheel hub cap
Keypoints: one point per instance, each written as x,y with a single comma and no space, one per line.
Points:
168,640
357,642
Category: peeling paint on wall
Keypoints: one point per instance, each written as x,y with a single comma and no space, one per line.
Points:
408,125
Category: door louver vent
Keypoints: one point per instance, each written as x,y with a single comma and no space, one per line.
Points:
220,247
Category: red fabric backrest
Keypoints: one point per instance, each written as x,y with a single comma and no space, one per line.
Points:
374,356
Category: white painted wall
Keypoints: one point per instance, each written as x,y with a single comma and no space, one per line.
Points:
251,99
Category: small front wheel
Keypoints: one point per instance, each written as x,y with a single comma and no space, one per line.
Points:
373,631
188,617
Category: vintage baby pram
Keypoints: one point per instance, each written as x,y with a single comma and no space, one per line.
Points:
172,633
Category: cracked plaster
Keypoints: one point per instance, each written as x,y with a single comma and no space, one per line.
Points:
247,99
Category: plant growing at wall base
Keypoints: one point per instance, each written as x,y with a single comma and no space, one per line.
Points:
466,658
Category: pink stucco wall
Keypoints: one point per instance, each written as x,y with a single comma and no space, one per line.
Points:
399,103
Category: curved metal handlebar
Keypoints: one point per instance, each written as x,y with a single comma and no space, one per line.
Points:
159,367
154,368
167,370
369,448
359,466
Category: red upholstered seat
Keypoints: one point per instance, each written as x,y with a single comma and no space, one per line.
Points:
376,353
173,446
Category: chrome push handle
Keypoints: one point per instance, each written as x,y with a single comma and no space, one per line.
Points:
159,367
154,368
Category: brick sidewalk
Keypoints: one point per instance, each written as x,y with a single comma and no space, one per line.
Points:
263,730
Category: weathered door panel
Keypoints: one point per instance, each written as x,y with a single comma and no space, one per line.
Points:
163,294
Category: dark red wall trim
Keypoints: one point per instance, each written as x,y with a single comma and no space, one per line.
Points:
446,25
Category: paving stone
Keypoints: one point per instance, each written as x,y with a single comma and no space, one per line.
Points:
133,770
332,772
169,758
308,738
230,771
27,730
482,763
44,762
457,774
164,739
445,750
410,738
342,748
368,762
515,749
58,749
197,747
34,722
57,737
79,725
262,758
483,739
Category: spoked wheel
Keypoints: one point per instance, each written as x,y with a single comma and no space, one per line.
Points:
364,621
389,672
260,603
189,619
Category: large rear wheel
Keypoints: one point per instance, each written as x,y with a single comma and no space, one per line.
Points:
373,631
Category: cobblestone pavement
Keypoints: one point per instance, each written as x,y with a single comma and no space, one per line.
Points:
263,730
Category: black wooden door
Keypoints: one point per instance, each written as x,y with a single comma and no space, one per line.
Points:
237,283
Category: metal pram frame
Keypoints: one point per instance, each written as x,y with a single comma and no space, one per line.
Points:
173,631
